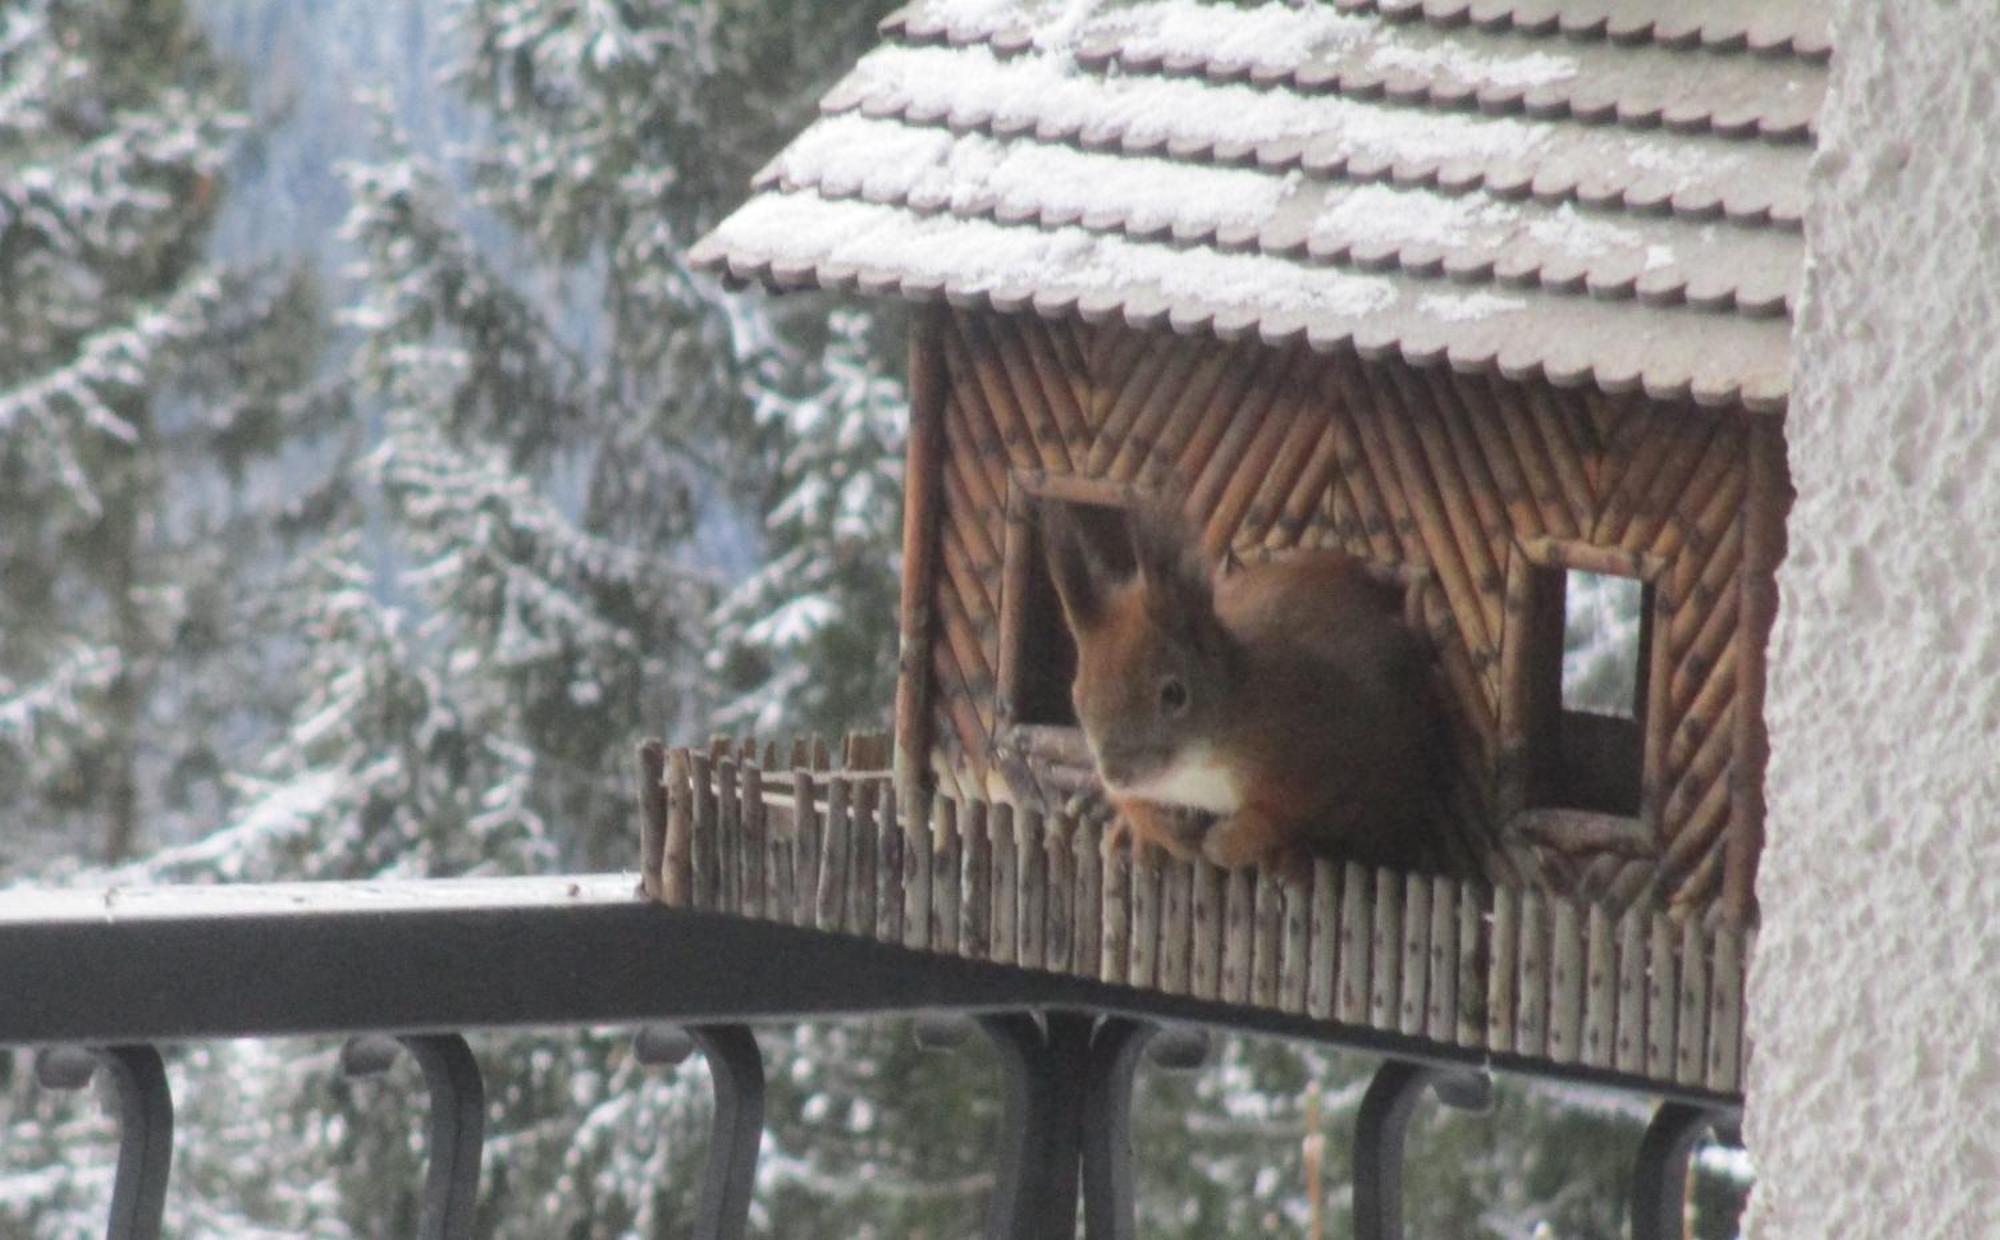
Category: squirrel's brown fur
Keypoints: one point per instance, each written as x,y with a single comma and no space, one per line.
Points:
1287,698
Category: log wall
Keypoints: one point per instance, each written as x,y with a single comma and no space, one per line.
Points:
1448,478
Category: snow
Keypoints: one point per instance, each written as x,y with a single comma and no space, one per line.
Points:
1267,35
1275,37
1441,59
976,255
980,256
928,166
838,145
991,133
972,174
1413,217
117,360
794,621
1686,163
231,900
1051,90
1468,307
820,585
1572,232
1874,1093
58,698
284,811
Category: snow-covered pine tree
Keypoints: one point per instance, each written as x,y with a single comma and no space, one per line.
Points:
808,641
568,634
141,388
480,662
145,393
621,136
497,612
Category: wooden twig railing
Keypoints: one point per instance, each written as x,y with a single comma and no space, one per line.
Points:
1519,973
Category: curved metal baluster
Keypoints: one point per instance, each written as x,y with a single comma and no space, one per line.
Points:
457,1131
455,1126
1659,1175
145,1105
1378,1149
1115,1051
736,1068
1379,1131
1045,1070
1017,1041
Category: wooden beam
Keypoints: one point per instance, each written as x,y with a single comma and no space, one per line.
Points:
922,515
1770,499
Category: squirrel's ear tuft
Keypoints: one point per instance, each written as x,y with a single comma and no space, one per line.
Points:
1177,579
1080,577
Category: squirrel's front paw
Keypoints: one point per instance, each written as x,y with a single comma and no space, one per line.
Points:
1242,839
1189,827
1091,807
1227,850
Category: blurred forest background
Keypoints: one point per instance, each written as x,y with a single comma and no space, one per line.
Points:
374,472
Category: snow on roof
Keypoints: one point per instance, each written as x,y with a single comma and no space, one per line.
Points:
1439,179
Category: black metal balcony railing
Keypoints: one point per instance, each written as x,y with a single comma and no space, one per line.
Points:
97,979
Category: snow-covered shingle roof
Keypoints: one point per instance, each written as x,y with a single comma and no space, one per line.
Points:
1603,191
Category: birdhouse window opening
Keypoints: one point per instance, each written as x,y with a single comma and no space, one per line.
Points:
1587,741
1602,663
1579,655
1039,656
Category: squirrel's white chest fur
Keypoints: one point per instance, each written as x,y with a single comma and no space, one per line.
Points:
1195,779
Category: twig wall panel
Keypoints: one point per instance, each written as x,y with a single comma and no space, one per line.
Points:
1443,477
1545,977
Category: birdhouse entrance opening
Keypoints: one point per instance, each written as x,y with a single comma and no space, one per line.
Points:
1038,655
1580,675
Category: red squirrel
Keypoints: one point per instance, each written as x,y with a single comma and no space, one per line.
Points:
1288,699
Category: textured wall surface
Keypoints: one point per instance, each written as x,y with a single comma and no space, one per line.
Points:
1875,1086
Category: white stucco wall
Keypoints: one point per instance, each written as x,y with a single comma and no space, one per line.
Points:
1875,1004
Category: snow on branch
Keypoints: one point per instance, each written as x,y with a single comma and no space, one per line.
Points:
59,699
116,363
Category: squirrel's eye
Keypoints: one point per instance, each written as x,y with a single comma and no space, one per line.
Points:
1173,695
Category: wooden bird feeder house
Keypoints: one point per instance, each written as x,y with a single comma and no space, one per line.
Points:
1494,295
